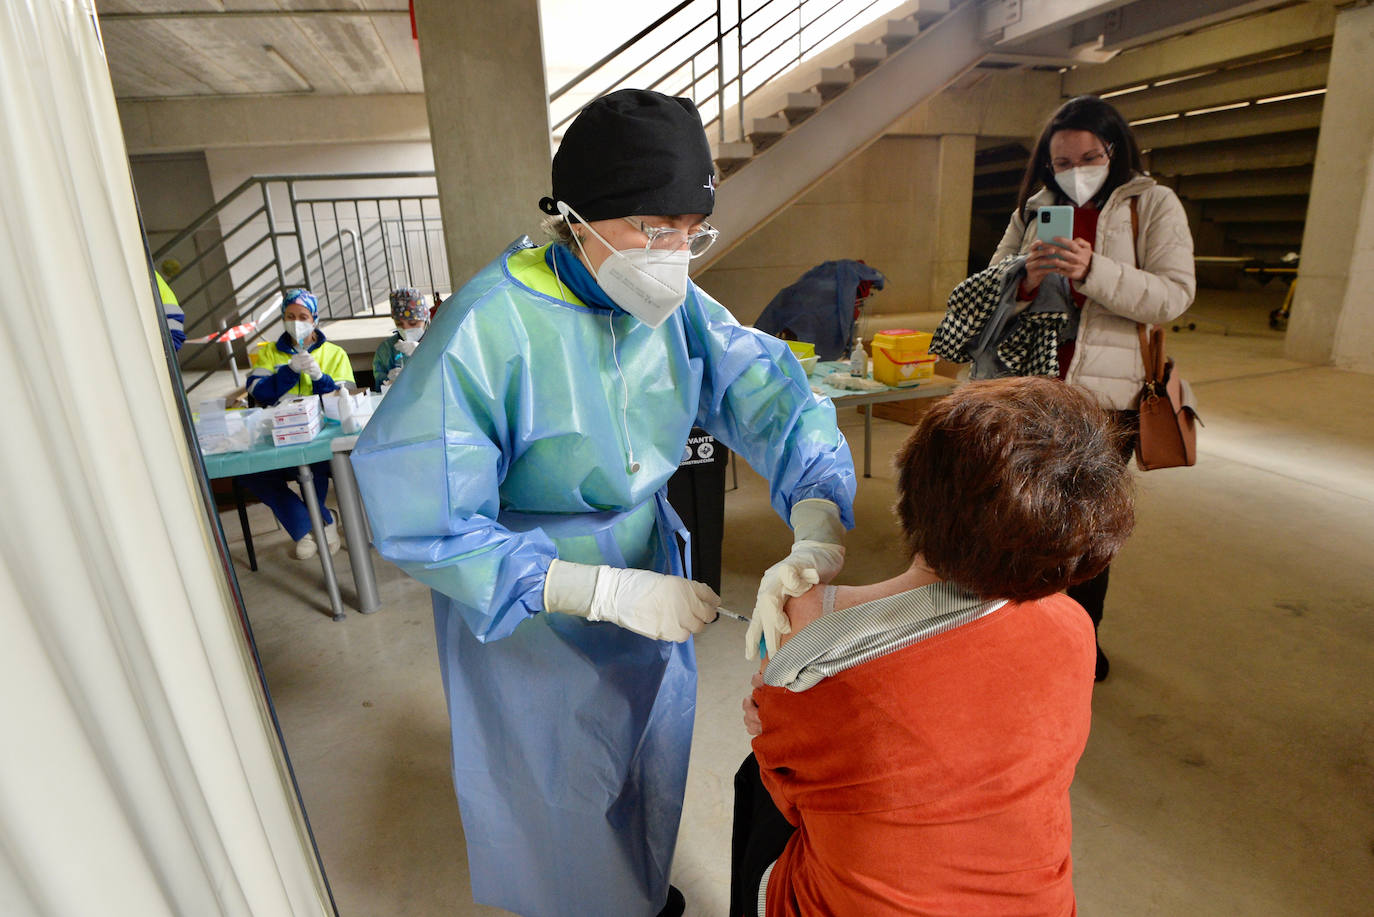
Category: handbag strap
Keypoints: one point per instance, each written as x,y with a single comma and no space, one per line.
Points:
1151,352
1151,345
1135,229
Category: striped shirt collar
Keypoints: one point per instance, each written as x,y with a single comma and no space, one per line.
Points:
840,640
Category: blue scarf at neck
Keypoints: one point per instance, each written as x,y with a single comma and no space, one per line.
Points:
575,276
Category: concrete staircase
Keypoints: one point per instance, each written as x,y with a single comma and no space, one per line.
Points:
819,116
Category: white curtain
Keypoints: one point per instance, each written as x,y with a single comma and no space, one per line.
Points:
139,769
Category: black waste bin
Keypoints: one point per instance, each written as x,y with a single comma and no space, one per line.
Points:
697,491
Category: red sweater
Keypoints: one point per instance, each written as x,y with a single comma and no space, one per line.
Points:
935,779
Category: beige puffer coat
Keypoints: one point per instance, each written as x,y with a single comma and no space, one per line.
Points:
1106,359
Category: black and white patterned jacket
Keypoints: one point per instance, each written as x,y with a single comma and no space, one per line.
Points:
985,325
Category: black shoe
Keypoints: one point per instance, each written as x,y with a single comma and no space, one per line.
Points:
676,904
1103,666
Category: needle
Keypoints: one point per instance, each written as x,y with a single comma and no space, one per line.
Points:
733,614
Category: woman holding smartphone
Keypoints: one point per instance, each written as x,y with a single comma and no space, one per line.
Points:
1129,261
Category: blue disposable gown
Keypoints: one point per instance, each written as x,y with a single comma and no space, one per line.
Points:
502,446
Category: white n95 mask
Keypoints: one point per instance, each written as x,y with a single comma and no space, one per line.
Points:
649,285
299,331
1081,183
413,334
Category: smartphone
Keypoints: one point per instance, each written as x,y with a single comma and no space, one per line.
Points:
1054,220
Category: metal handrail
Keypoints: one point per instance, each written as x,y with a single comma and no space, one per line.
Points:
719,72
610,87
624,46
727,88
226,280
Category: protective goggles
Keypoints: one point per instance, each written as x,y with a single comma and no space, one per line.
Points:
668,239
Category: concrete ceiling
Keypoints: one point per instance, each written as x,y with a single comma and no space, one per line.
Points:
1208,94
166,49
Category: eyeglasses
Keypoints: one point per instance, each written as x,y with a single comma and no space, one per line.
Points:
1093,158
668,239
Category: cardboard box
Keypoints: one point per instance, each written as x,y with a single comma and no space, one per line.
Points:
912,410
298,433
908,412
296,412
362,403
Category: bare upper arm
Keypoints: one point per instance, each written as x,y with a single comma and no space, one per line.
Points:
801,610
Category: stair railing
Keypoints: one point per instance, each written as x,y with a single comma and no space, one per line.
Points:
352,250
716,53
226,278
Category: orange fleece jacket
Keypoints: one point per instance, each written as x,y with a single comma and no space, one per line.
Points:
935,779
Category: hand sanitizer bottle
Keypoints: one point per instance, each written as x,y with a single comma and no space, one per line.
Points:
858,360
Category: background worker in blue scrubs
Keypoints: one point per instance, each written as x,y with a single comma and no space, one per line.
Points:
518,467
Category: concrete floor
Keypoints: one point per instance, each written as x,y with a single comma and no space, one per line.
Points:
1231,764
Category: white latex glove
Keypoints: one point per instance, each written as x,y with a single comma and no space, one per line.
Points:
652,604
391,376
816,557
406,347
301,362
313,370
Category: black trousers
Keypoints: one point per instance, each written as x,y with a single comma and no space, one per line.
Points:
759,836
1092,594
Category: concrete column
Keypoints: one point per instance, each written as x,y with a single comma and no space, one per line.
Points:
953,213
1333,311
483,67
1355,334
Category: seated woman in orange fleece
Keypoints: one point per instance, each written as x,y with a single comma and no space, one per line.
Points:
915,739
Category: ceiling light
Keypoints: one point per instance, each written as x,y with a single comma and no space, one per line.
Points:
1153,120
1180,79
1291,95
1208,111
1121,92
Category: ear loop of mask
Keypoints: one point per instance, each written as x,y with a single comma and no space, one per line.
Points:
634,466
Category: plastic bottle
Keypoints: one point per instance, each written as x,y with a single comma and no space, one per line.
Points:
346,419
858,360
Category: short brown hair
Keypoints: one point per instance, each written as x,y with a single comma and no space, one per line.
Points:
1015,488
556,229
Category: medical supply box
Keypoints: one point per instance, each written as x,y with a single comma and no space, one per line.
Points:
294,435
359,403
296,421
902,357
296,412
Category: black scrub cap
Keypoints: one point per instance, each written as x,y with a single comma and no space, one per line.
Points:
634,152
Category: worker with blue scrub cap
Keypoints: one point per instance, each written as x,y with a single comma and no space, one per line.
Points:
299,362
410,312
518,468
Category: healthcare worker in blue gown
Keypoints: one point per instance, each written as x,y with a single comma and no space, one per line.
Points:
518,468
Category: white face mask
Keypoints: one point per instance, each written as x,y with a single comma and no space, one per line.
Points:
412,334
1081,183
649,285
299,331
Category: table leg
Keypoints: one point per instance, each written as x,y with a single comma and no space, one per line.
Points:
331,583
355,532
243,523
868,437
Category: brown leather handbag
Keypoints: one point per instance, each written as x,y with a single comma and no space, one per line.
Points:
1168,415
